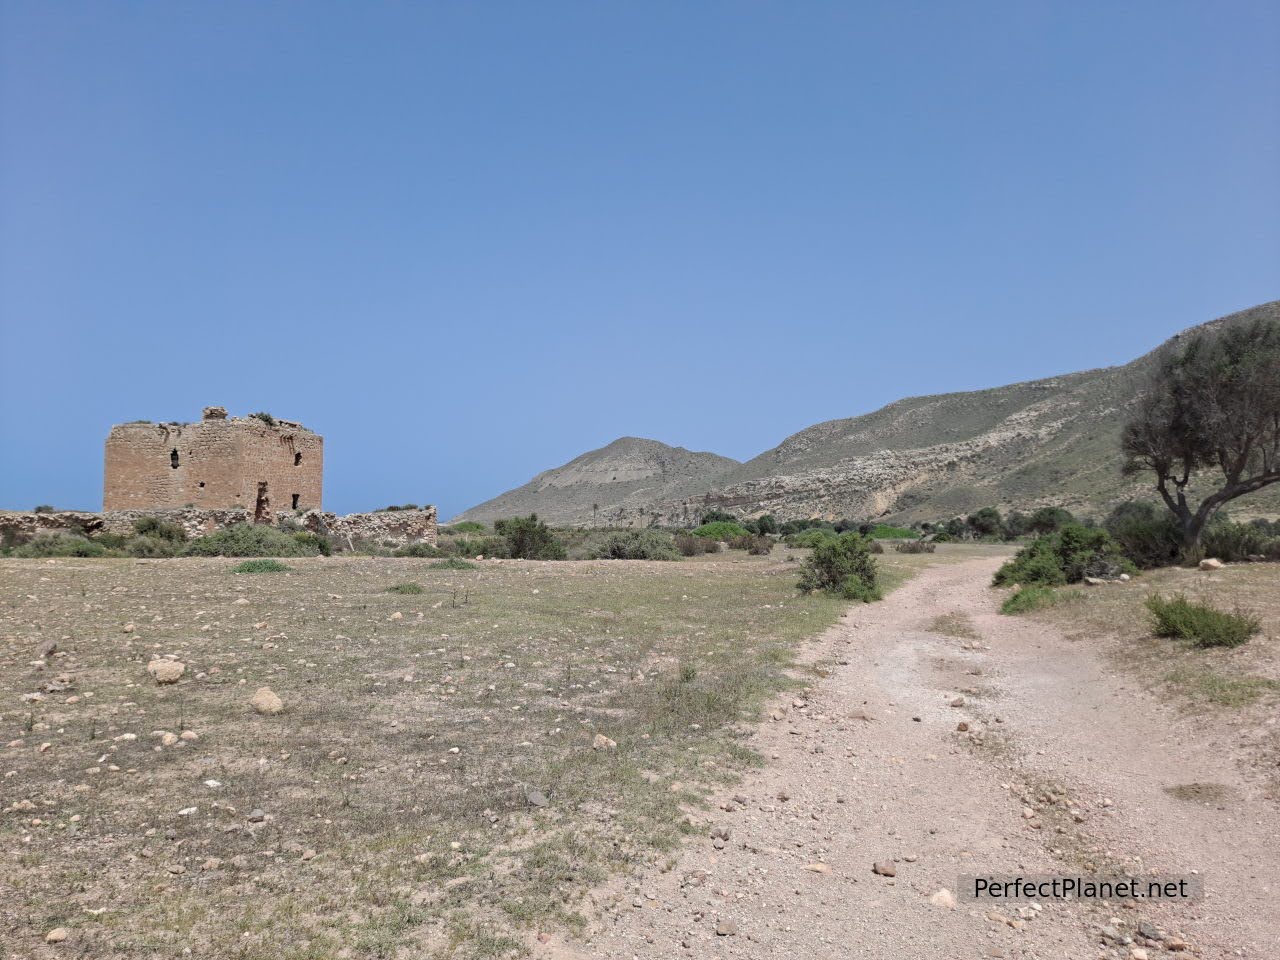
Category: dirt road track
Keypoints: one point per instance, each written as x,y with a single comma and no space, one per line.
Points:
869,767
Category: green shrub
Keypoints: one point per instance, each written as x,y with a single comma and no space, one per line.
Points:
475,547
60,545
160,529
265,417
1049,520
1146,533
1067,556
717,516
1201,624
842,565
466,526
986,522
264,565
406,588
152,547
419,549
394,507
252,540
528,538
760,546
44,508
637,545
721,530
1031,598
691,546
763,525
916,546
809,538
313,543
452,563
1233,542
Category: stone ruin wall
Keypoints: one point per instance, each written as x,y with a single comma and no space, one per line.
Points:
216,464
384,528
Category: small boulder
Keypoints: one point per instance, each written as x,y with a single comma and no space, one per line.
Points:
266,702
726,928
601,742
884,868
944,898
1211,563
57,935
166,671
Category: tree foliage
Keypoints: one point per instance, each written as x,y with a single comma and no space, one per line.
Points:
1212,407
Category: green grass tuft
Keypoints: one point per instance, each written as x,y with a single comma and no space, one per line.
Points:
266,565
406,588
1035,598
1200,623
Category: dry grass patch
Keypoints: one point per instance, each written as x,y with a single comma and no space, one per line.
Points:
432,784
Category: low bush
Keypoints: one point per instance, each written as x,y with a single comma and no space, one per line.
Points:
810,538
466,526
717,516
1032,598
1233,542
265,417
1200,623
529,538
1146,533
406,588
160,529
419,550
453,563
1067,556
842,565
264,565
721,530
254,540
394,507
760,546
152,547
763,525
60,545
637,545
916,546
691,546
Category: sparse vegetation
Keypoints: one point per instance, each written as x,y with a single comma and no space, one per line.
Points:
265,417
1203,625
916,546
453,563
690,546
59,545
256,540
466,526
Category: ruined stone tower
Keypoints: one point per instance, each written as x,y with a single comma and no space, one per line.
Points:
253,463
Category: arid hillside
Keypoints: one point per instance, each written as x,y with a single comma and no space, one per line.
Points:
1053,441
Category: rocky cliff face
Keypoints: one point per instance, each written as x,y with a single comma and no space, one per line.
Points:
1044,442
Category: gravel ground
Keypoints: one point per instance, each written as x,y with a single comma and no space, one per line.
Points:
1068,767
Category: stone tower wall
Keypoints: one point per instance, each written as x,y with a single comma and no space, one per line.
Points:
214,464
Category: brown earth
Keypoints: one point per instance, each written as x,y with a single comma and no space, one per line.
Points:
1069,767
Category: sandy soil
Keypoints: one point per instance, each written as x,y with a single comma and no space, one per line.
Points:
1068,767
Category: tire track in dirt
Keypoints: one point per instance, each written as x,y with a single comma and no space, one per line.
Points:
869,767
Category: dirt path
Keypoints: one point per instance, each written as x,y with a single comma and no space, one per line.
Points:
1066,765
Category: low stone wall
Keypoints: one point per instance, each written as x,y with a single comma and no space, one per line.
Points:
389,528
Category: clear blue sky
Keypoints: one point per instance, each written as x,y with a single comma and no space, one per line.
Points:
469,241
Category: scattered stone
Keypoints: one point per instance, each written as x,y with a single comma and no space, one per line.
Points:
726,928
166,671
266,702
958,702
1211,563
536,798
944,898
601,742
823,868
57,935
963,726
884,868
256,816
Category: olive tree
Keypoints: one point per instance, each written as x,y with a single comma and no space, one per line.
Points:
1208,424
